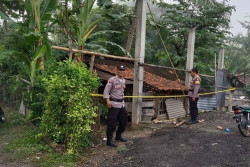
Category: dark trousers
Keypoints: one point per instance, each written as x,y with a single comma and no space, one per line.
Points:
193,108
114,115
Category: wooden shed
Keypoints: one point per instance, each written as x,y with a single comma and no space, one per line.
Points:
157,81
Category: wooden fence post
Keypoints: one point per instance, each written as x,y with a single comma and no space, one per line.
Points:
92,61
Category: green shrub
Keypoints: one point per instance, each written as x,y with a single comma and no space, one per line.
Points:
69,111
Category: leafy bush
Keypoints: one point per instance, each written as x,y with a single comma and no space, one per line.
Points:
69,111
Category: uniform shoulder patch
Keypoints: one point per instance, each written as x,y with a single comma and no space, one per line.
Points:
110,81
197,81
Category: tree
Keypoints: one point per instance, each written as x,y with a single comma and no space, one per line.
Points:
211,23
238,52
14,9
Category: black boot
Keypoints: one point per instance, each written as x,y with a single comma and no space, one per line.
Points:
189,122
111,143
120,138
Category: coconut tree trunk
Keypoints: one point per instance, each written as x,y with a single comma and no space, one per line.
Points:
132,30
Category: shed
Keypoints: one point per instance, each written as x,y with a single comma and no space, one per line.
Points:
157,81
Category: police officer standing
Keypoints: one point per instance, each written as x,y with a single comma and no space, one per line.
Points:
114,95
193,93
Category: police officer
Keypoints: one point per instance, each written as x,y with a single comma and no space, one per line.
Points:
114,95
193,93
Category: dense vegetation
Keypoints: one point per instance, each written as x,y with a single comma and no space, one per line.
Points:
54,84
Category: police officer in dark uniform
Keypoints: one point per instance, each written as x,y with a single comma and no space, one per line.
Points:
114,95
193,93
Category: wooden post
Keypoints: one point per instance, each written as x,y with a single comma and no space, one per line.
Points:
139,57
156,108
230,102
92,61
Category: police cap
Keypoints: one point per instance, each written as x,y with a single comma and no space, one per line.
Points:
121,67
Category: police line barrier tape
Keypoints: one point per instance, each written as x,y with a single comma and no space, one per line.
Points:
168,96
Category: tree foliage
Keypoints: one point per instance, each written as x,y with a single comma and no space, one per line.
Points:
238,52
211,23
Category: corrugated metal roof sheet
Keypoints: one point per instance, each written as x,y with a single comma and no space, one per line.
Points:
175,108
207,103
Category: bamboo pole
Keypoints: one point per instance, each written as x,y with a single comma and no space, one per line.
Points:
92,53
121,58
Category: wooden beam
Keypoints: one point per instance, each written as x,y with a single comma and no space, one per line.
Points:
92,53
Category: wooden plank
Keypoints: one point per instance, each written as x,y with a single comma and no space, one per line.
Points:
180,123
148,104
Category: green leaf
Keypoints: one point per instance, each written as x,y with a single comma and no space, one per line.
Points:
5,17
32,37
33,66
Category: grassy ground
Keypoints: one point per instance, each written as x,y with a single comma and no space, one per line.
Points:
22,146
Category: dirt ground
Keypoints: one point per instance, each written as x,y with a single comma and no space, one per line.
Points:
200,145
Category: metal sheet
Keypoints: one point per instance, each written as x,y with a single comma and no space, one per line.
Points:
207,103
221,81
175,108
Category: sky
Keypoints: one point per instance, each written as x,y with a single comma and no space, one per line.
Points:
241,13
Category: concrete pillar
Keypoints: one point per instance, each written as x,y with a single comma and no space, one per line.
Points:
189,63
139,57
221,58
220,80
190,55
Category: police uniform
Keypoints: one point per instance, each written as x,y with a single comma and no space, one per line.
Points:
114,91
195,85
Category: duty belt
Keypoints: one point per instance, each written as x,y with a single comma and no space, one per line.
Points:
116,100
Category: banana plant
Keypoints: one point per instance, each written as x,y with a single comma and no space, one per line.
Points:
87,22
40,15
